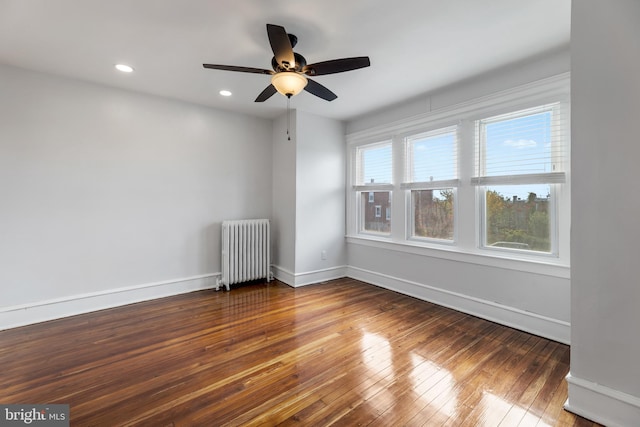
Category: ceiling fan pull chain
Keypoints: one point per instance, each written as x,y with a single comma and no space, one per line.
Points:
288,117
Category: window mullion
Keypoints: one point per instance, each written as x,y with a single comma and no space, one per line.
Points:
466,199
398,196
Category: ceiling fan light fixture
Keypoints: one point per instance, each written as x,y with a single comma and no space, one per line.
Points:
289,83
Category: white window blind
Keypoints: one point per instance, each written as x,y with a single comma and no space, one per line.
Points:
373,167
432,159
523,147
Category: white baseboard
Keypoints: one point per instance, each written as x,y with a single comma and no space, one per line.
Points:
602,404
283,275
309,277
554,329
41,311
14,316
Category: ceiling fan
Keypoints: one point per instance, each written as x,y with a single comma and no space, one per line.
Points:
290,69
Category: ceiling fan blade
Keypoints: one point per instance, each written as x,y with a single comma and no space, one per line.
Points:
266,93
336,66
318,90
235,68
281,46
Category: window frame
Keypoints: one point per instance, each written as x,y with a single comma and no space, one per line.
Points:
467,243
359,187
559,109
410,184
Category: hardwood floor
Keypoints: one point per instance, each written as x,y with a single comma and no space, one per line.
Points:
340,353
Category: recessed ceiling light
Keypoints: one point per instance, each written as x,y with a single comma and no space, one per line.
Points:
225,93
124,68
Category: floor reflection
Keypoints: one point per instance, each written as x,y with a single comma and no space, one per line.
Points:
376,351
500,412
431,383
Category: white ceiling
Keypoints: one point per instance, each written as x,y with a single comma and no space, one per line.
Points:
415,46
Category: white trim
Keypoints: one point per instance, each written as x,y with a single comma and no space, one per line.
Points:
309,277
436,185
373,187
533,178
41,311
602,404
537,324
317,276
510,260
284,275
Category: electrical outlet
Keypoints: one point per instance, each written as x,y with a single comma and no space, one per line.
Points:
323,255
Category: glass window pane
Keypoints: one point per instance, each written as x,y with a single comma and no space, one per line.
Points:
433,213
372,219
518,145
433,158
517,217
376,164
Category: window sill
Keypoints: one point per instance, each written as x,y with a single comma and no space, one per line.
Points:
545,265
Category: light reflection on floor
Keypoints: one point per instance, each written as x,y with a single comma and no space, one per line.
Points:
441,385
377,356
499,412
376,351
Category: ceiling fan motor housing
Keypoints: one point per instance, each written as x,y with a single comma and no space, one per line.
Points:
300,60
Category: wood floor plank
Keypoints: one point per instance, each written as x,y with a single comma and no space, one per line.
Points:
337,353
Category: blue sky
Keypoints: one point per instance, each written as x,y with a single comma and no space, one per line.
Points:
519,145
434,158
377,164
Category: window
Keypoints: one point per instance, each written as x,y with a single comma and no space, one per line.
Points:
432,176
373,177
485,178
519,162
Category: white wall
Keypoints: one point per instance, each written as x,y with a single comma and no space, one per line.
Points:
532,69
109,196
534,298
604,383
308,201
284,167
320,199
